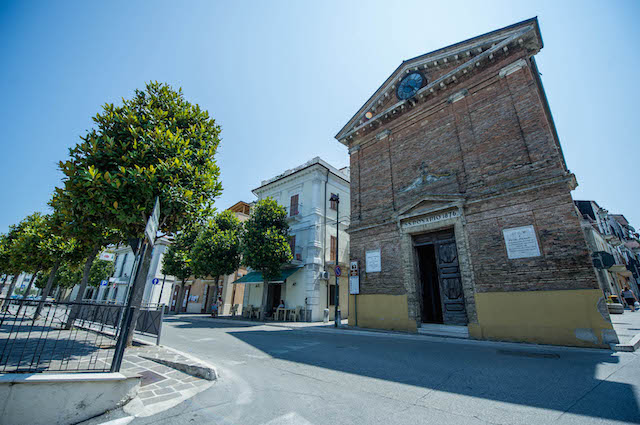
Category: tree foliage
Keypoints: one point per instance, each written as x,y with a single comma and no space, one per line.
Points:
265,244
216,251
32,248
177,260
100,270
154,145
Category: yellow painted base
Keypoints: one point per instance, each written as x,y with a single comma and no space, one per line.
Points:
381,312
545,317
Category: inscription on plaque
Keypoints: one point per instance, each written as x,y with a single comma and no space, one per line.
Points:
521,242
373,263
431,218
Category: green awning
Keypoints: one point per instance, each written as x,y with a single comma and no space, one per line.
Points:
256,277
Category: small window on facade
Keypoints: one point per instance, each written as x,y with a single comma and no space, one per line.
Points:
292,245
334,204
293,209
332,294
334,245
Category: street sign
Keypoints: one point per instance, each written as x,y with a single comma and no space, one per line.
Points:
152,224
107,256
104,282
155,281
354,279
338,271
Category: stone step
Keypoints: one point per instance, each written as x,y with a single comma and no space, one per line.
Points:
452,331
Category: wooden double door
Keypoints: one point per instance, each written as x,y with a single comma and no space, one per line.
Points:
440,285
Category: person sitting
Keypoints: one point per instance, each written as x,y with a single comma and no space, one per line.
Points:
281,304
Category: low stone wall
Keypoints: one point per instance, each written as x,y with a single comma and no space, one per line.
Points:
60,399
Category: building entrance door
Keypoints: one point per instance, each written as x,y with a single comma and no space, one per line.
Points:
273,296
442,299
174,297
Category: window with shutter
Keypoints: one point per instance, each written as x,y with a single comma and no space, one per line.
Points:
293,209
292,244
334,204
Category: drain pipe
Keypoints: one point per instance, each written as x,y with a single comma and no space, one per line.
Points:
324,235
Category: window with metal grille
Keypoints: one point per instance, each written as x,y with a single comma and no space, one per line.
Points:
332,294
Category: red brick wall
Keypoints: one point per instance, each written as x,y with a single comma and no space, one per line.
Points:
492,146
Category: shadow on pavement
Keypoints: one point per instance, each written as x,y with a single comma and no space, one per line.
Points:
560,381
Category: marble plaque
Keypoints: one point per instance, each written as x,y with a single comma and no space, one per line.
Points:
373,262
521,242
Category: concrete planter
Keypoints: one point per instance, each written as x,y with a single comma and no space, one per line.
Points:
61,399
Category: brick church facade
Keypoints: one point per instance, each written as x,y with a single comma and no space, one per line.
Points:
461,211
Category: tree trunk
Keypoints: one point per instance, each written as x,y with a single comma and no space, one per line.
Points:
265,296
75,309
12,286
180,297
216,296
138,288
45,293
26,293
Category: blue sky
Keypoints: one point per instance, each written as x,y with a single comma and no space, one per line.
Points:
282,77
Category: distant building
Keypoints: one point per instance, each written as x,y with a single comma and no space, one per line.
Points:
200,293
308,281
118,286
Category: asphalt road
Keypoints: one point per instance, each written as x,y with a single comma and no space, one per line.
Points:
273,375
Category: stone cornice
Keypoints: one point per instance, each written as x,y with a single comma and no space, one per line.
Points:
471,56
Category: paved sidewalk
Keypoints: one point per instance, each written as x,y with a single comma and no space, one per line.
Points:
627,326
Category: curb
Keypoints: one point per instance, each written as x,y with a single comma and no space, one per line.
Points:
380,333
629,347
197,368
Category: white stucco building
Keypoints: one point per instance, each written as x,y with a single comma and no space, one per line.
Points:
309,281
118,285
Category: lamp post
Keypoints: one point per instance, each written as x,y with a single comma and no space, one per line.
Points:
337,319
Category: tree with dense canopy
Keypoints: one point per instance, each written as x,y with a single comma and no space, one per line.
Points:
177,260
216,251
155,145
265,245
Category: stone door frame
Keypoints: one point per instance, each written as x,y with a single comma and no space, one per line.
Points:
429,215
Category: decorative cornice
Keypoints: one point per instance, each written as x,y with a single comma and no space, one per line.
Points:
482,51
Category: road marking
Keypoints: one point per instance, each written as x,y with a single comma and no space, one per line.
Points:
257,356
204,339
120,421
289,419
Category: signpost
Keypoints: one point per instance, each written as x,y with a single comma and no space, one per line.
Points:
155,281
107,256
152,224
354,287
104,282
338,271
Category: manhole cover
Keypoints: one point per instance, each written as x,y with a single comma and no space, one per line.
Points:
149,377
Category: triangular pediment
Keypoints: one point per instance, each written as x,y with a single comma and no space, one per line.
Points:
431,204
440,70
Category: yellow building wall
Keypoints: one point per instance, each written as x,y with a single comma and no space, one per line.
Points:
381,312
568,317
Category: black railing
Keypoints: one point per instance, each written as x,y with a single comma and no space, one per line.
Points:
66,336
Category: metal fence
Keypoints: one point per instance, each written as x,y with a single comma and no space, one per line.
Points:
67,336
59,339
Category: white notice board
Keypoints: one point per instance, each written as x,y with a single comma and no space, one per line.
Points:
372,259
521,242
